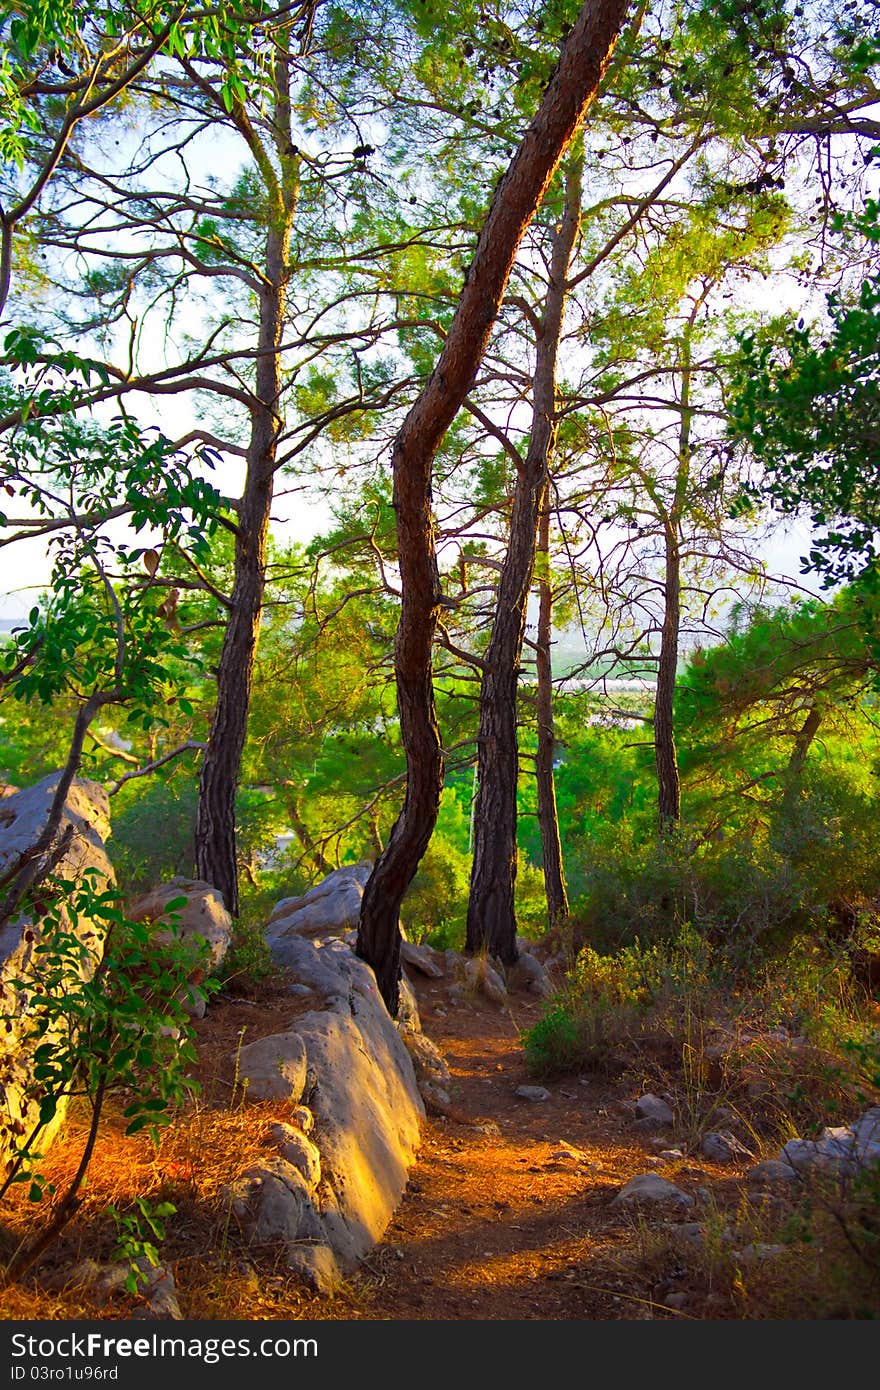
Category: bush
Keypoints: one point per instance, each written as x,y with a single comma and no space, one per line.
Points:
612,1002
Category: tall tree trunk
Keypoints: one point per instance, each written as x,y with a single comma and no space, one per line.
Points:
668,780
548,819
573,86
216,856
491,919
794,770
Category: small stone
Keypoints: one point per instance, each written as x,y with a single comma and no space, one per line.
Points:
670,1155
302,1117
568,1153
676,1300
300,989
651,1107
771,1170
316,1266
650,1188
723,1147
533,1093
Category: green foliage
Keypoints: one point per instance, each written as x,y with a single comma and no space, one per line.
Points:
137,1232
610,1001
105,1006
435,907
154,830
807,401
98,1008
248,966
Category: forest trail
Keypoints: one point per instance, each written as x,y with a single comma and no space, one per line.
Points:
508,1212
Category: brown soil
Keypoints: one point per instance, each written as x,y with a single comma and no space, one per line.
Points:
507,1214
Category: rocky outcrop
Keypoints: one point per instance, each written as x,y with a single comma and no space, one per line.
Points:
842,1151
329,1196
85,824
331,908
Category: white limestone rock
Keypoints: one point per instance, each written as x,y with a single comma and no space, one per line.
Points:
424,959
368,1114
85,820
429,1064
273,1068
202,915
316,1266
331,908
293,1146
408,1015
272,1202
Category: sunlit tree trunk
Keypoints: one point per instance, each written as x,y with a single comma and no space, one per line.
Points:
573,86
216,856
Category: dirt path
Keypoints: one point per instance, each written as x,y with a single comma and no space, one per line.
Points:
507,1214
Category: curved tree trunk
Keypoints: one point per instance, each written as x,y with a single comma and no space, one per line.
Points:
216,858
584,59
491,920
548,819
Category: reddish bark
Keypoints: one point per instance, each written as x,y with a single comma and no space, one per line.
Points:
573,86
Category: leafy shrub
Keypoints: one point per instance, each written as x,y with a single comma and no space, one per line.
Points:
154,831
122,1029
612,1001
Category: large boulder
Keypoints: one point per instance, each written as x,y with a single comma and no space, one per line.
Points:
362,1093
200,917
84,826
202,914
331,908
